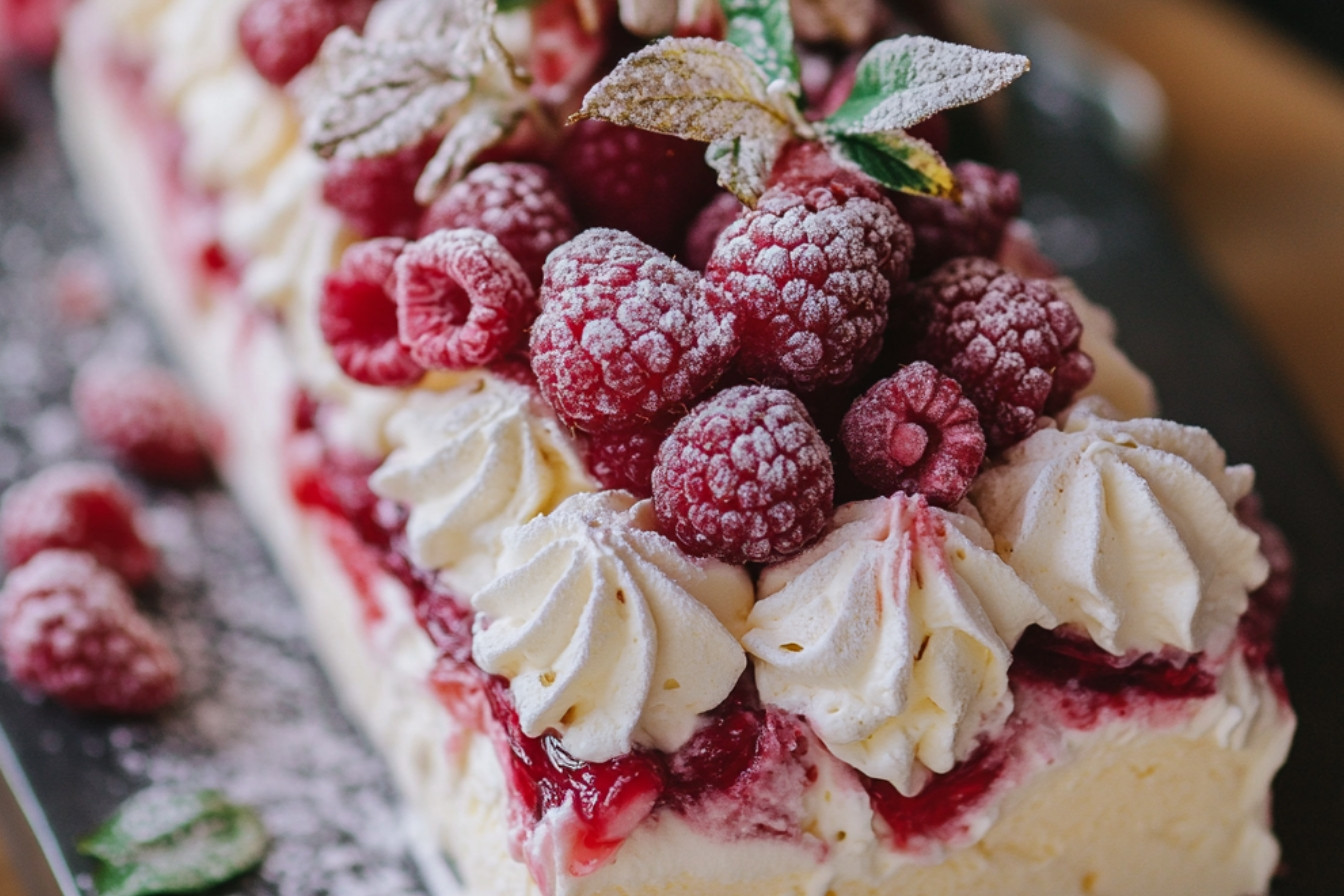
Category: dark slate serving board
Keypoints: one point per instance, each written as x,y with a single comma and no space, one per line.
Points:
278,739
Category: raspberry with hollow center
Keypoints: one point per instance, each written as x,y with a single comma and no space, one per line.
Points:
744,477
376,196
358,315
647,184
281,37
945,229
145,419
69,629
517,203
624,335
1012,343
915,432
462,299
808,276
80,506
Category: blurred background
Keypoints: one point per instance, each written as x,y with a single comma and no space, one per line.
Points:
1235,110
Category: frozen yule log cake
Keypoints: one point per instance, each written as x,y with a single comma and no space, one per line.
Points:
801,536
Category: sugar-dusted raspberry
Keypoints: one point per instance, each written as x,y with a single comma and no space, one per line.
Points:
945,229
704,232
81,506
744,477
624,458
648,184
146,420
518,204
808,276
806,166
281,37
1012,343
915,432
358,315
376,196
462,299
69,629
624,335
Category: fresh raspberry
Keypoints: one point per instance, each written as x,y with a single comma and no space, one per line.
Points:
281,37
376,196
808,277
945,229
915,432
625,335
805,167
624,458
358,315
1012,343
704,232
744,477
69,629
80,506
518,204
628,179
462,299
145,419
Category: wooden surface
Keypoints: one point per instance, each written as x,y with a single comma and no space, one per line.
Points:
1255,170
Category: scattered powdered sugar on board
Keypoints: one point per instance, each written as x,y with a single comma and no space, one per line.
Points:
257,719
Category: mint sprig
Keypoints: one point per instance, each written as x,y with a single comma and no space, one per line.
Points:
168,841
742,96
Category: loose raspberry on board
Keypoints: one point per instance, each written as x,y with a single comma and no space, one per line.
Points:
82,507
744,477
69,629
915,432
1011,342
624,336
358,315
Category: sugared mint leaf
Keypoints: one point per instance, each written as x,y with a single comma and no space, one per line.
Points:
694,88
166,841
744,164
898,161
763,29
901,82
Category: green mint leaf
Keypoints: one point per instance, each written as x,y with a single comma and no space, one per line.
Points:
763,29
901,82
898,161
511,5
165,841
744,164
694,88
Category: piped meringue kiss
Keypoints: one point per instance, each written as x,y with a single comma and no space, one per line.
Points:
608,632
1126,529
892,637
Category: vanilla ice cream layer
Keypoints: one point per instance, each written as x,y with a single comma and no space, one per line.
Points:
1164,798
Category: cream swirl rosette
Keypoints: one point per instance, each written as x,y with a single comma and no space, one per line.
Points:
469,461
1126,529
892,637
608,632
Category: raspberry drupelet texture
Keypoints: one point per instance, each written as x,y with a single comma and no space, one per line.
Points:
358,315
517,203
625,336
809,275
462,299
82,507
624,458
744,477
1011,342
141,415
650,185
915,432
281,37
69,629
376,196
945,229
